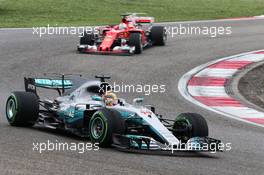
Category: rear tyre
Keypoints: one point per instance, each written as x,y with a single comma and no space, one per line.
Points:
135,40
188,125
158,35
103,124
87,39
22,109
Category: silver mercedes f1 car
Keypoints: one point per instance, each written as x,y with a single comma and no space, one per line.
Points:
81,109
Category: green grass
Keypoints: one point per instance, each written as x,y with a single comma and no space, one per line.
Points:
28,13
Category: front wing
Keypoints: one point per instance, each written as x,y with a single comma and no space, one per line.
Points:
143,144
91,50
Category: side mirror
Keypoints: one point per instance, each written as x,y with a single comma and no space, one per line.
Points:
152,108
138,100
96,98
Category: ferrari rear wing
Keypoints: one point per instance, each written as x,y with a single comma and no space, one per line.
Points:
144,20
60,85
138,18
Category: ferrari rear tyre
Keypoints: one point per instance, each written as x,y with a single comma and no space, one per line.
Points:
158,35
87,39
188,125
135,40
103,124
22,109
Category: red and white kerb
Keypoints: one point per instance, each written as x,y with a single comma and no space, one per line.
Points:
208,87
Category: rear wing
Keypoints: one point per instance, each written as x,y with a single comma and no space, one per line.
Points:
143,19
139,19
60,85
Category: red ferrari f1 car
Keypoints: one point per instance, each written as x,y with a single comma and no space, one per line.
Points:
129,37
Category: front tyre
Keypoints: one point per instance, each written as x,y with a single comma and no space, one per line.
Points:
135,39
87,39
188,125
103,124
22,109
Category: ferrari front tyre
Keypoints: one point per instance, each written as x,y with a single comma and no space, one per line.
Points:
103,124
188,125
158,35
22,109
87,39
135,39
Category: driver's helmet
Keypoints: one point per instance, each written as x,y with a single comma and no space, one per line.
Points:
124,20
110,98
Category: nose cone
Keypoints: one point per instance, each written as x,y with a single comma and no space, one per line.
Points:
108,41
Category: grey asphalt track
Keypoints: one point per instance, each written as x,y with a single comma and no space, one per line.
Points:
22,53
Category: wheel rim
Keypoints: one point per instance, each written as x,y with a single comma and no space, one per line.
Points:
11,108
97,129
183,123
